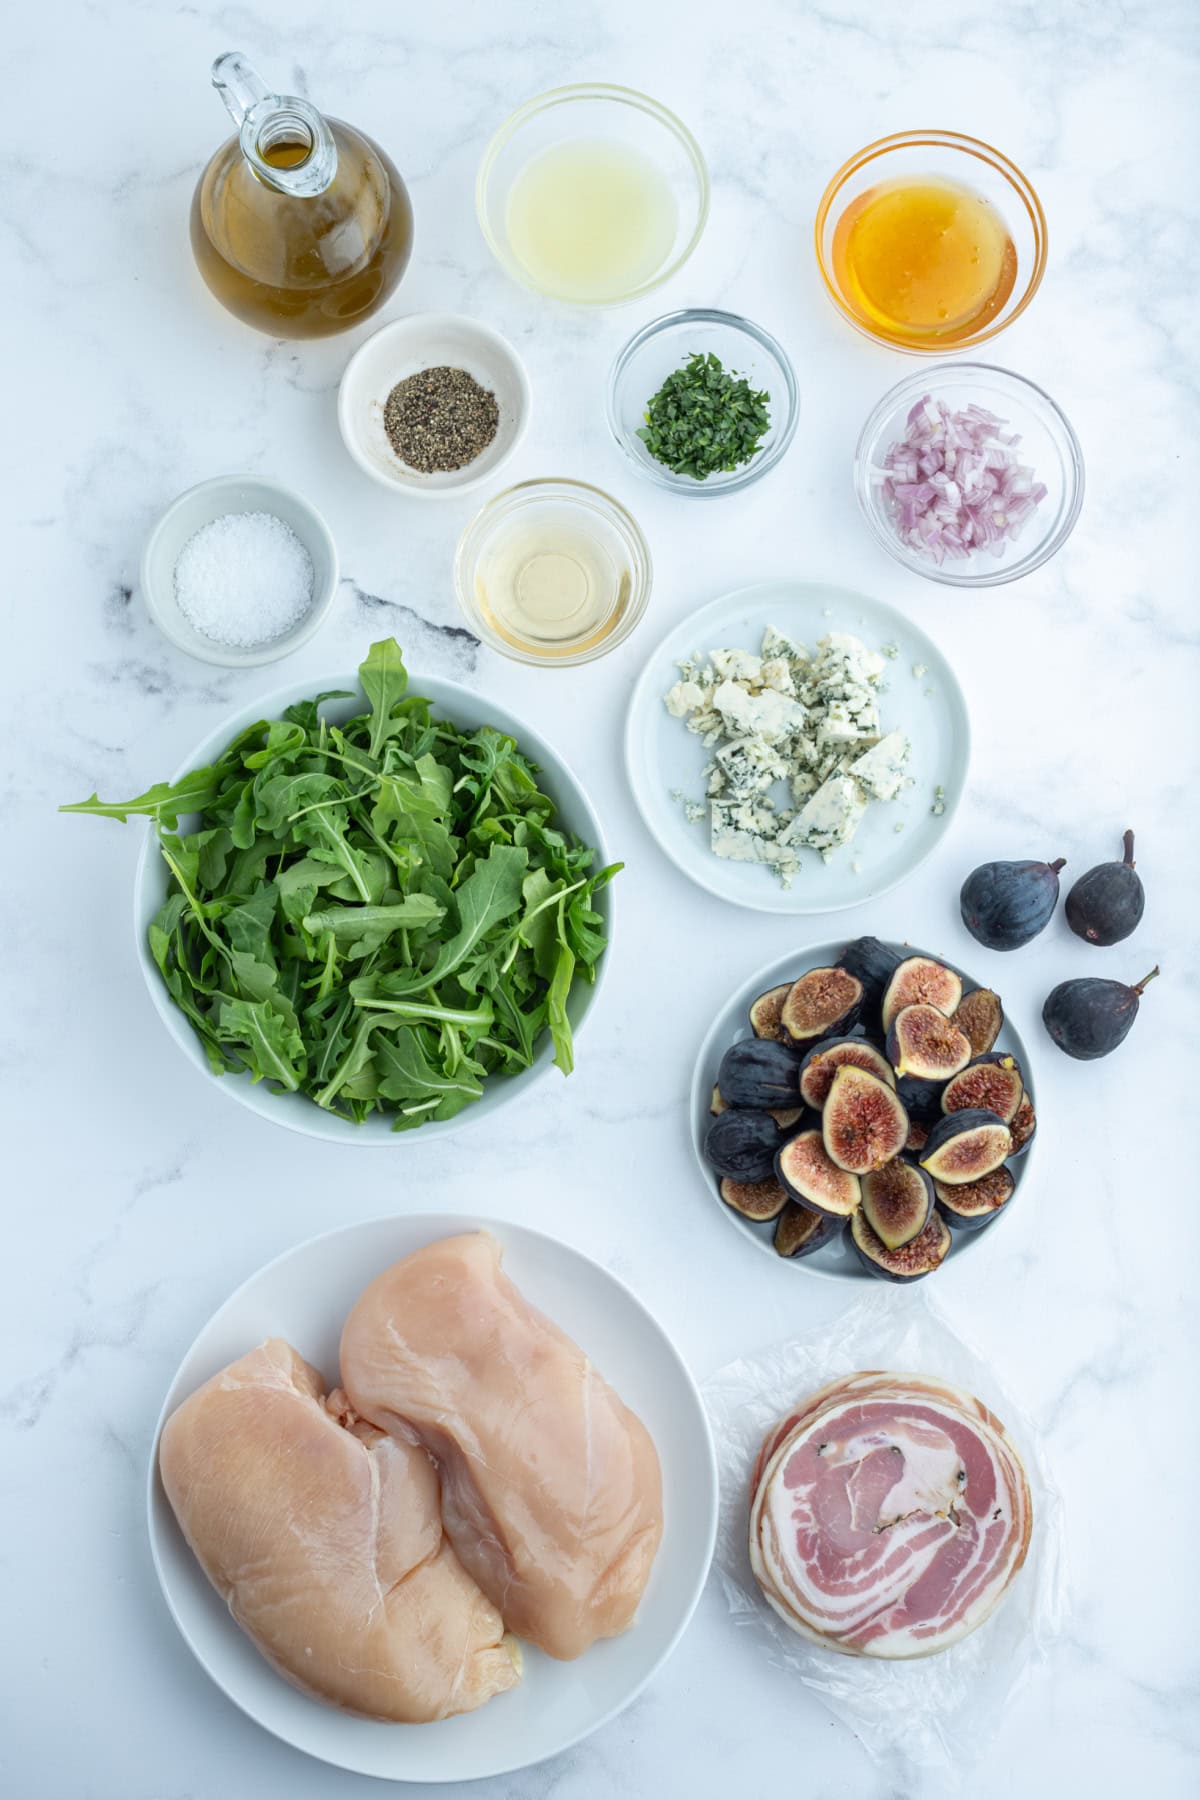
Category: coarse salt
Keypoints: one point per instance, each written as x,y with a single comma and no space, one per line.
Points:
244,579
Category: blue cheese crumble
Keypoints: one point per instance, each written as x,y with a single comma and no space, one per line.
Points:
802,725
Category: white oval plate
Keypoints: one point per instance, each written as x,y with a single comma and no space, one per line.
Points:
296,1111
304,1296
662,757
838,1259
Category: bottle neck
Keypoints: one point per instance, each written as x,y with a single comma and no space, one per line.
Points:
285,140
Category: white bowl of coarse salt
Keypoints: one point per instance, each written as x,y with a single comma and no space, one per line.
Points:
239,571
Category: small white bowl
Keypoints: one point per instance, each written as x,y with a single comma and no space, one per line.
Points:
198,507
404,348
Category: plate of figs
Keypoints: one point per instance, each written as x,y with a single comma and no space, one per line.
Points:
863,1109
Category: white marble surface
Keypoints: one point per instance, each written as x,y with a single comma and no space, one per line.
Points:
137,1196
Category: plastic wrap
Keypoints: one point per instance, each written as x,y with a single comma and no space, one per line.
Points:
939,1711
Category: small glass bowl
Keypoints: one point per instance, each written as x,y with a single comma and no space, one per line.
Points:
914,154
549,502
664,346
593,110
1048,443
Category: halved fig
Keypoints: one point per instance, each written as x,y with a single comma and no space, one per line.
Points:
973,1204
979,1016
758,1200
993,1083
800,1232
718,1103
826,1058
742,1144
864,1123
1023,1126
822,1003
765,1011
897,1201
786,1117
918,1135
919,981
920,1256
873,964
760,1073
965,1146
922,1042
812,1178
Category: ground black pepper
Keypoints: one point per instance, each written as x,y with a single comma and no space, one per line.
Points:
440,419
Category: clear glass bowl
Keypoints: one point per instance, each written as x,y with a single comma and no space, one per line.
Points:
520,526
664,346
593,111
911,155
1048,444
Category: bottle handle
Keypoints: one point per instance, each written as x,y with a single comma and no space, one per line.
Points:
238,83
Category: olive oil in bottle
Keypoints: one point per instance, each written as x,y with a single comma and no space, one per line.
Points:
301,226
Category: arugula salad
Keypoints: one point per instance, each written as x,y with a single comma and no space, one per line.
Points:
380,914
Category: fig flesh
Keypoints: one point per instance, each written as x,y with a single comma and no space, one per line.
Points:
1107,903
872,963
821,1004
826,1058
1090,1017
979,1016
800,1232
757,1200
920,1256
863,1124
717,1103
761,1073
786,1117
1006,904
919,981
742,1144
924,1043
1024,1126
810,1177
991,1083
918,1135
765,1011
965,1146
973,1204
897,1201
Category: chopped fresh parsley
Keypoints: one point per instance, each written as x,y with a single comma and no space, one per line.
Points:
705,419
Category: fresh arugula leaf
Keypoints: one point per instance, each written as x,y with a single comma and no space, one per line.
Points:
382,914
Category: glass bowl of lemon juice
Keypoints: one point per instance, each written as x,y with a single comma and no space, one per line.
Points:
592,194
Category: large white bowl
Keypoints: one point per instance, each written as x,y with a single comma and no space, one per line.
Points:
296,1111
304,1296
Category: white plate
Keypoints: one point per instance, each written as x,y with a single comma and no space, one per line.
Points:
837,1259
663,757
304,1296
296,1111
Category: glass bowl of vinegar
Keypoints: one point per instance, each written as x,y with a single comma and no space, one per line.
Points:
552,572
592,194
929,241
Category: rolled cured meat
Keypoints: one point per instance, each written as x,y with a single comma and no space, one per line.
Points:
888,1515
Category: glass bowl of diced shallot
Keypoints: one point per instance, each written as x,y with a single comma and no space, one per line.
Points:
969,474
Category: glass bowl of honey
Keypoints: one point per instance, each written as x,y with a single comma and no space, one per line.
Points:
592,194
553,572
929,241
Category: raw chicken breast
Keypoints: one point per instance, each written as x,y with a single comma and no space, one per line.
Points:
324,1538
551,1491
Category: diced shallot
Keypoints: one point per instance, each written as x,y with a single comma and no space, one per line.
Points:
954,485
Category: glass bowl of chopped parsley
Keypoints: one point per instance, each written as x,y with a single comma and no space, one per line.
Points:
704,402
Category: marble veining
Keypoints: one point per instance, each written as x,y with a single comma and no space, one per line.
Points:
137,1197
